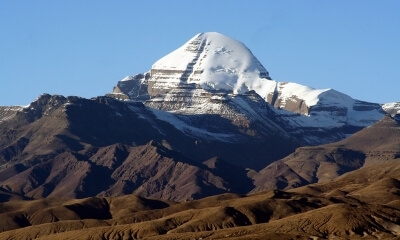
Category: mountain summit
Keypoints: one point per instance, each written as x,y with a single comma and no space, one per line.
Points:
209,61
212,60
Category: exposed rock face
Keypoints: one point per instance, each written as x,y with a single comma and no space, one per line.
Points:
134,86
7,113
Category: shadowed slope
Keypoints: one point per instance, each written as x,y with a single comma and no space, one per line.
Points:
61,147
371,146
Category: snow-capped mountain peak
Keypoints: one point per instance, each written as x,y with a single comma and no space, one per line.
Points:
212,61
207,73
215,62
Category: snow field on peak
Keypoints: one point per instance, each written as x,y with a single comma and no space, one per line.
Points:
127,78
216,62
289,90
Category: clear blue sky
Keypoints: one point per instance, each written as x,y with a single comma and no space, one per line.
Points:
85,47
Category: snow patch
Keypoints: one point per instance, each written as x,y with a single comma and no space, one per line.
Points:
127,78
190,130
393,107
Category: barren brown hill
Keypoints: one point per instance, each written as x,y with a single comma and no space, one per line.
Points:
75,148
6,196
376,144
363,204
148,170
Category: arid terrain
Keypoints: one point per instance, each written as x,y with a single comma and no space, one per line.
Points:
363,204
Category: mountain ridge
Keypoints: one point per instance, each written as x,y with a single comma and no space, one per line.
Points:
137,130
303,109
